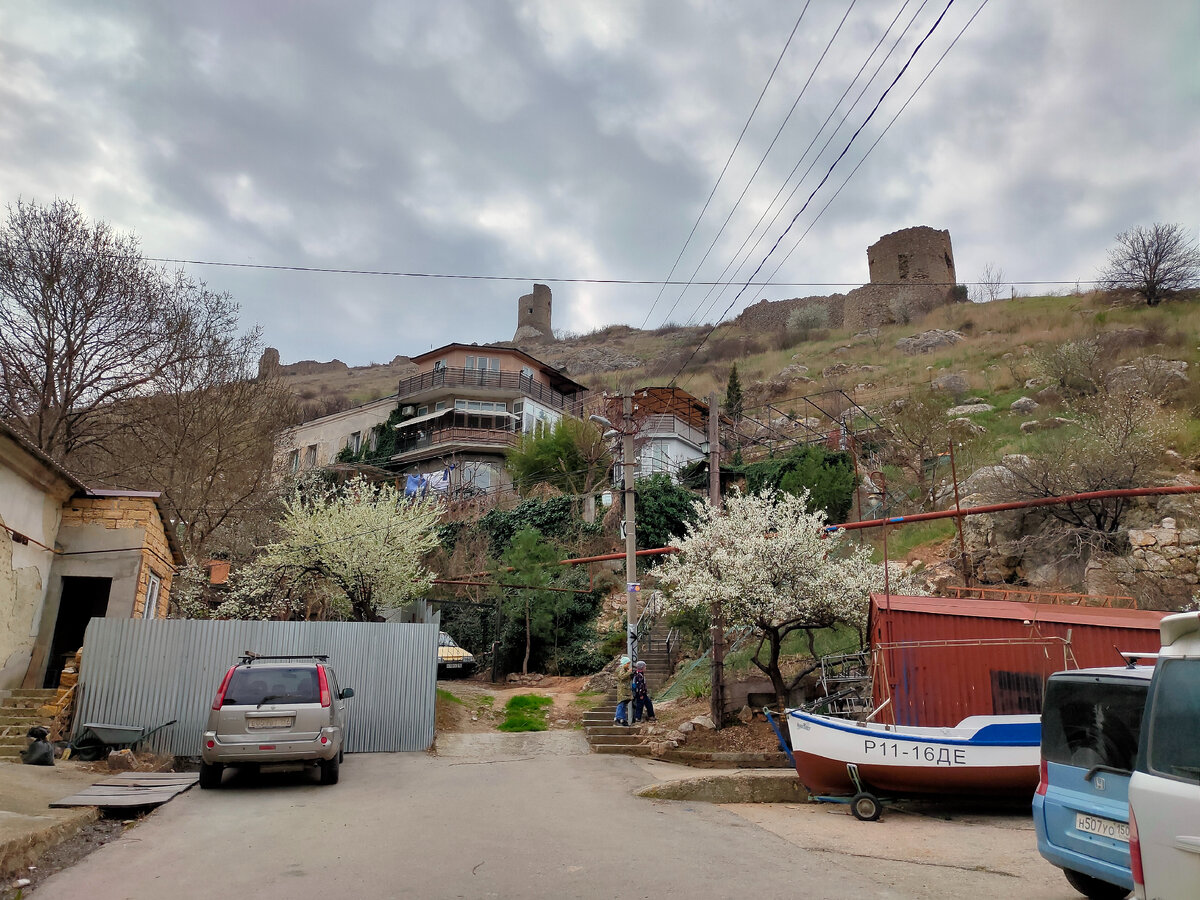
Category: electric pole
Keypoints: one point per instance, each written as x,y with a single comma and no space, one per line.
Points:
628,464
717,674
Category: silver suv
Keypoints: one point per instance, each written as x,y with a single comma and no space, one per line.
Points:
276,709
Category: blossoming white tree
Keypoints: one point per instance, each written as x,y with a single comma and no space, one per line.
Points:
365,539
770,565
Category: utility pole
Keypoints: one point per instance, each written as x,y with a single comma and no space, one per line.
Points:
628,464
717,674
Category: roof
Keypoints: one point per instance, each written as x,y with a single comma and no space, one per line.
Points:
548,369
1137,673
41,456
1015,610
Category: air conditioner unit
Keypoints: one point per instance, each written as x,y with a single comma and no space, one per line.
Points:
408,410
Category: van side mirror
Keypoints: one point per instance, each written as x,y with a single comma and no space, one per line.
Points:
347,693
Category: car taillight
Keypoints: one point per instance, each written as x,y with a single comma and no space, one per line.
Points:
323,683
1043,777
220,698
1135,853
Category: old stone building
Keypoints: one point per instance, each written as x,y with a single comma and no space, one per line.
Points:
533,317
911,272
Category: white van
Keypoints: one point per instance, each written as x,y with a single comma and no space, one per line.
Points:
1164,792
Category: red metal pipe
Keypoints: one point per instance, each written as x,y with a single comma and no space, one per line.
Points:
1019,504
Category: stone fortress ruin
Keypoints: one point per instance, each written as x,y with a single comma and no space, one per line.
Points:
911,272
533,317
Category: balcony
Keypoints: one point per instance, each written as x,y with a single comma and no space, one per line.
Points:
509,384
456,437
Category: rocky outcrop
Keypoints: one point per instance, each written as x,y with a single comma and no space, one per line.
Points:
928,341
954,383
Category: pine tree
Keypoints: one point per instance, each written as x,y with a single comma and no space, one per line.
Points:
733,394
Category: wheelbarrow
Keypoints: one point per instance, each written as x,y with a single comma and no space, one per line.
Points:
98,738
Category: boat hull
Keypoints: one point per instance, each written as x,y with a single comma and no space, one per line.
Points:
994,756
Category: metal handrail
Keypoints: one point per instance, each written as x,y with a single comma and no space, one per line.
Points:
511,381
1027,595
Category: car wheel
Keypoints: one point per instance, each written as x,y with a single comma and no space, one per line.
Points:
1094,888
341,756
210,775
329,770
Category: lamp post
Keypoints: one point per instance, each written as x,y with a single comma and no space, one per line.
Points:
627,465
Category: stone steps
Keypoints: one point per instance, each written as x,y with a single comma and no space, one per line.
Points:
18,713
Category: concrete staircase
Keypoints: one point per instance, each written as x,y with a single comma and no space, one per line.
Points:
602,734
18,713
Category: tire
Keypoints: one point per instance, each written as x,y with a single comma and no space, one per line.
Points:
341,756
865,807
1094,888
210,775
329,770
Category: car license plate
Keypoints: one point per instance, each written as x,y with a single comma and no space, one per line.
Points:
270,722
1118,831
453,665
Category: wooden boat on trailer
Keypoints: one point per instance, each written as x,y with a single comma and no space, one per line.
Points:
981,756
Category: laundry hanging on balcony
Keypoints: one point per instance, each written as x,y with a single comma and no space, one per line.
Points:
414,485
440,481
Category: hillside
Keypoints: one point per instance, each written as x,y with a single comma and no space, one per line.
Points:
995,349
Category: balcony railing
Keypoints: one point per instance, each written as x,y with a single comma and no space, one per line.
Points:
662,424
514,382
494,437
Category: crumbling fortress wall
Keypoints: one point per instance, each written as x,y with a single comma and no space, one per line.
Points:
911,271
533,317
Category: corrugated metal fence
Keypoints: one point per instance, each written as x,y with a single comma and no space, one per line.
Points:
146,672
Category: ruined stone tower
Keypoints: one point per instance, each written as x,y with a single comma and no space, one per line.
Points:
533,317
920,255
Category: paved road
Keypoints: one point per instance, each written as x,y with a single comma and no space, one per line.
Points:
489,816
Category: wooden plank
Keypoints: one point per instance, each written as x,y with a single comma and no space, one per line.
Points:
132,789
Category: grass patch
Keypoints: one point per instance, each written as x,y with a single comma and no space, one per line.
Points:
586,699
526,712
904,538
448,697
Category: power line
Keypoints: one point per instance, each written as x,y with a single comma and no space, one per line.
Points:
725,168
832,166
762,161
880,138
697,315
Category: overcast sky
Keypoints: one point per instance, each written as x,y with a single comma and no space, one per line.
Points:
550,139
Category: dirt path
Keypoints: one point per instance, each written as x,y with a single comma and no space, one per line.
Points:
481,706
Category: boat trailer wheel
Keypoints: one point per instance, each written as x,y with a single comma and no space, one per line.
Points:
865,807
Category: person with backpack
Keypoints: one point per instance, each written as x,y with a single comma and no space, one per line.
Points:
624,694
641,695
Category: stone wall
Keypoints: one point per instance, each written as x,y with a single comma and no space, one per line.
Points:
138,516
912,272
1162,569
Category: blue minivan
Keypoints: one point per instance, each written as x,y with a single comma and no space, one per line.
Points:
1091,719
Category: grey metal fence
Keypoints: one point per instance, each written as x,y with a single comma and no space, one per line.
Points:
147,671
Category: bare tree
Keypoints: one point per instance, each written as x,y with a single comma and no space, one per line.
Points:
918,433
86,322
1155,262
990,286
1117,444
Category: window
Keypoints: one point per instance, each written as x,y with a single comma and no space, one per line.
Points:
518,407
1016,693
494,364
422,410
1088,721
439,365
293,462
153,588
355,441
483,363
1173,737
470,364
374,442
310,456
439,406
526,372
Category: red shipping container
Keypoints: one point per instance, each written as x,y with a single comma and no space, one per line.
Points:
942,659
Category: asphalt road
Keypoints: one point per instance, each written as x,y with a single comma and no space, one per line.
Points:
495,816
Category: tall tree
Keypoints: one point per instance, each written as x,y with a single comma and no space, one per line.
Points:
532,564
365,539
770,565
86,322
733,395
572,456
1155,262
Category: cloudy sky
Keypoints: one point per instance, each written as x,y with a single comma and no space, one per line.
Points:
552,139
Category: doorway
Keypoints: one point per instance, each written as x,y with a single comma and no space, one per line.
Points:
82,600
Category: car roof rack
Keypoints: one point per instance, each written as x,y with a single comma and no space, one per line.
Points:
251,657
